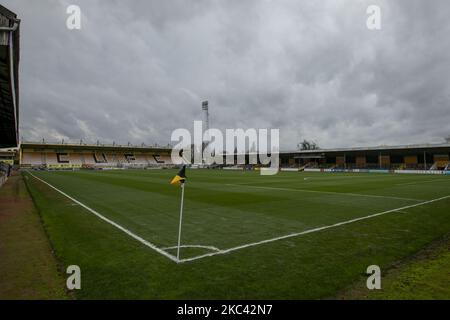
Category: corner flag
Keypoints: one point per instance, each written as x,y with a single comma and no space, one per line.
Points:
180,178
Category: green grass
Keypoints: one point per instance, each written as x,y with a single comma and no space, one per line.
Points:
226,209
424,276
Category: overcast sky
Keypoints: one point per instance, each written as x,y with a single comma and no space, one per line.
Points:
139,69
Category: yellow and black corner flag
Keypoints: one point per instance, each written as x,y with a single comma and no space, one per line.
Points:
180,178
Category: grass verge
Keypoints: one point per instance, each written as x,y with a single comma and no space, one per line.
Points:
425,276
28,269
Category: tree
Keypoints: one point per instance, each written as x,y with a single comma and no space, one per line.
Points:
308,145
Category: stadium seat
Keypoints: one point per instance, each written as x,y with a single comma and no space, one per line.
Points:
32,158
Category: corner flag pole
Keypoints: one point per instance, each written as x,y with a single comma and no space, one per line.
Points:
181,219
180,179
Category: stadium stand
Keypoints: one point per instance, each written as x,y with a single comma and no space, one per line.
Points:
441,161
50,158
5,171
100,157
166,159
111,158
157,159
88,158
9,78
432,157
120,158
7,158
151,160
141,159
32,159
407,157
77,156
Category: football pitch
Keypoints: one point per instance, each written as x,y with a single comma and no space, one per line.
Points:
291,235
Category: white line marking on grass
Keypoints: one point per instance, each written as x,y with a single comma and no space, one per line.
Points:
420,182
128,232
328,192
193,246
292,235
337,177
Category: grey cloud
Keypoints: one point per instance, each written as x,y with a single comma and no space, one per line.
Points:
139,69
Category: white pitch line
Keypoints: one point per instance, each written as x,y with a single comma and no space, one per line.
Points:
128,232
328,192
420,182
193,246
311,230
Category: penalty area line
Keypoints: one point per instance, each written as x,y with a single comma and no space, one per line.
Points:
118,226
420,182
292,235
325,192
